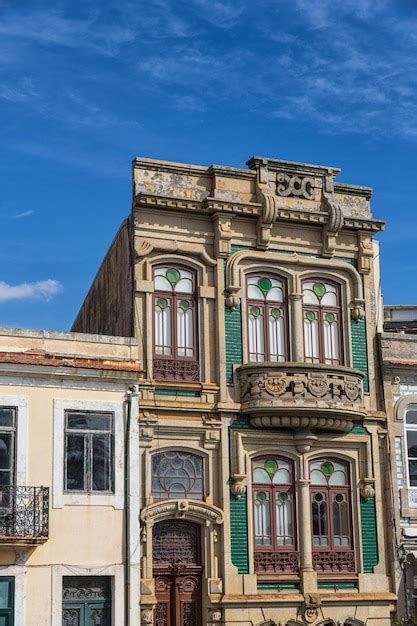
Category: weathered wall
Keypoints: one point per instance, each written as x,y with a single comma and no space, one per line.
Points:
108,306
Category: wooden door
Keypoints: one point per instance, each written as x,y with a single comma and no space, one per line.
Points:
177,572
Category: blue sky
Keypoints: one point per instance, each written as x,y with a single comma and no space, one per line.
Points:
86,86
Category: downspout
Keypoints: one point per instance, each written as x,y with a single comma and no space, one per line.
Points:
131,395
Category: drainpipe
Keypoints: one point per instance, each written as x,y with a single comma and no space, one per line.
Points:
131,517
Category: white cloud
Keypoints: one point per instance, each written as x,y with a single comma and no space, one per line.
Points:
44,289
20,216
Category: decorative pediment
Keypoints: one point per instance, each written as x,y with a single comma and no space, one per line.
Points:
200,512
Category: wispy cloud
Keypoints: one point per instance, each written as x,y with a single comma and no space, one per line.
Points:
44,289
20,216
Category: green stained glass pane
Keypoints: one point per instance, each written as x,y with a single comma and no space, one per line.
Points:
283,497
327,468
173,275
276,313
255,311
330,317
184,305
261,496
162,303
319,290
271,467
264,284
310,316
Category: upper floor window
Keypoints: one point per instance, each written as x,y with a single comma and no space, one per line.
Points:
322,322
267,318
331,516
273,514
7,446
175,324
177,474
411,436
88,452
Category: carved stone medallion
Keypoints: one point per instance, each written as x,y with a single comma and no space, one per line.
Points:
276,384
318,387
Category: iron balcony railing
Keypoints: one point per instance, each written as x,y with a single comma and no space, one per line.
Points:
24,512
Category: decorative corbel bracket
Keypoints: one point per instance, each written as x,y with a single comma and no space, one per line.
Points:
333,227
238,487
310,608
357,311
222,225
367,488
269,203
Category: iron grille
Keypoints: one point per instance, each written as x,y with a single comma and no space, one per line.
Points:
24,511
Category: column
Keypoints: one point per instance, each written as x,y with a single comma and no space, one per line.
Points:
297,327
308,575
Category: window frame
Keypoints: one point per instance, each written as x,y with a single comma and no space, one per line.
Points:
273,489
88,453
13,431
203,473
409,428
329,490
249,302
321,311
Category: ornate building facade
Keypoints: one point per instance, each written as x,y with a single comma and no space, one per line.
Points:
253,295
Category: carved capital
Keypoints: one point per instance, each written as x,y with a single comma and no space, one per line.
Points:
358,312
233,297
367,488
238,487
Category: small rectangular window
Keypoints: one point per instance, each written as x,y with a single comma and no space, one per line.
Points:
7,445
88,452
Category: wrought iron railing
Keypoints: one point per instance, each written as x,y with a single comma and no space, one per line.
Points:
24,512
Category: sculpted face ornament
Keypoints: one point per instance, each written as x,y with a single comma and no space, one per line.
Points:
301,186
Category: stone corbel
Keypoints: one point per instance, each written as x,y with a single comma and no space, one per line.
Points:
366,253
222,225
269,201
333,227
357,311
238,486
367,488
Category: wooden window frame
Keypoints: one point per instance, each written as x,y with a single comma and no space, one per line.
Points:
320,312
264,305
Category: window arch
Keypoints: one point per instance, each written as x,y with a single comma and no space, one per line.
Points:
331,516
175,324
177,474
273,499
267,318
322,317
410,421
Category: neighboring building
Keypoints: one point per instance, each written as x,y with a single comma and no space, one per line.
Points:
399,357
65,402
254,297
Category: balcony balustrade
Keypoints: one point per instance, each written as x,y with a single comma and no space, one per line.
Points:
305,396
24,515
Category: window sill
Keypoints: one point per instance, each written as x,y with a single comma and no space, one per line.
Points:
92,499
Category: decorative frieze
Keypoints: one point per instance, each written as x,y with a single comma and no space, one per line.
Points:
292,185
285,562
308,396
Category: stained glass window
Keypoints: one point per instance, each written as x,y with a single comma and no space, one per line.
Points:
273,504
330,504
177,474
267,318
322,322
175,324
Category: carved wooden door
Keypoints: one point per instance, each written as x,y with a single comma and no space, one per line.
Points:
177,572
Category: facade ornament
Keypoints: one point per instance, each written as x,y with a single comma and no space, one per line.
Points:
146,616
366,253
233,297
310,609
367,488
333,227
182,509
358,312
215,615
238,487
303,440
300,186
222,234
143,248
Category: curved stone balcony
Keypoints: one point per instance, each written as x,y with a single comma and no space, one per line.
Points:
305,396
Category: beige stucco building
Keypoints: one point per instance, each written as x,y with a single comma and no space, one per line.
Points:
253,296
69,502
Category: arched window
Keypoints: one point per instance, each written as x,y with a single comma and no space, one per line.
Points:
274,515
322,322
177,474
411,435
175,324
267,318
331,516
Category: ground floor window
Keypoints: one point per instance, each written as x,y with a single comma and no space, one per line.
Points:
86,601
6,601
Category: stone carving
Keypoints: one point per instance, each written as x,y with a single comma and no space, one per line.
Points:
301,395
367,488
146,616
301,186
182,509
310,608
357,312
333,227
238,486
215,615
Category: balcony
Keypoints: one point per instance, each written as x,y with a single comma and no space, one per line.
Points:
24,515
304,396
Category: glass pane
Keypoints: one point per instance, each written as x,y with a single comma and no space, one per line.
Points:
102,462
412,444
184,285
7,417
6,450
162,284
6,590
75,462
319,519
412,470
411,416
275,295
177,475
262,519
283,515
254,293
261,476
71,616
99,616
89,421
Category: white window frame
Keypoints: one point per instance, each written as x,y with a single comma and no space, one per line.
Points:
62,498
20,403
407,428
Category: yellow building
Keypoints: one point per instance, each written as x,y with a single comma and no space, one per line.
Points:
253,296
